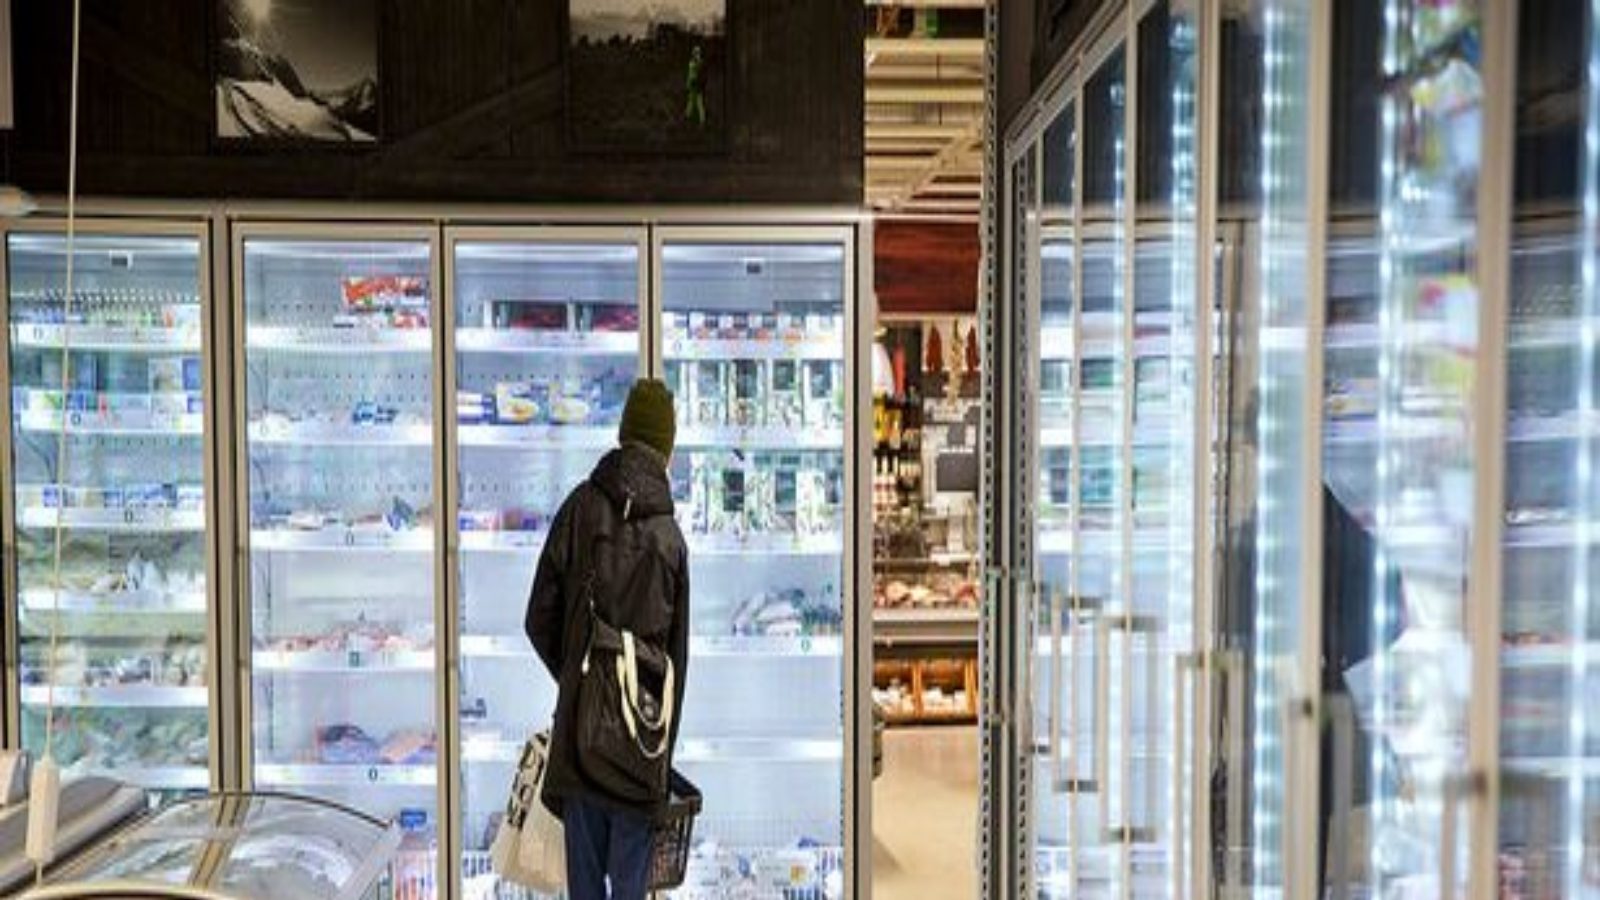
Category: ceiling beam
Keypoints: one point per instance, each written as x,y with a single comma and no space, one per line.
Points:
972,47
929,131
929,4
923,92
938,71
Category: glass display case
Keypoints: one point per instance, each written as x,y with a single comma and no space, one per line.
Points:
338,475
238,847
109,504
547,343
753,347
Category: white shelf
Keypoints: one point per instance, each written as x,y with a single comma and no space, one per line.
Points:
339,341
350,775
830,544
141,424
1055,342
700,646
1548,656
129,697
791,347
1553,766
126,519
777,437
152,778
318,434
1056,438
43,601
547,343
107,338
714,750
1407,427
541,437
350,661
517,542
341,540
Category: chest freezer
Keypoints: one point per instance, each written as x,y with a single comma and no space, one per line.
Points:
234,847
89,809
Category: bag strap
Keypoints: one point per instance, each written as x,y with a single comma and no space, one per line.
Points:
628,678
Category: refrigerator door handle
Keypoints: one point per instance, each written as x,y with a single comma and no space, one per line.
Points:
1183,672
1102,714
1054,600
1341,716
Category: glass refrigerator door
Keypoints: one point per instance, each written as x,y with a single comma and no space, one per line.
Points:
339,461
1063,670
754,351
1549,815
1101,546
547,342
1156,637
109,505
1411,693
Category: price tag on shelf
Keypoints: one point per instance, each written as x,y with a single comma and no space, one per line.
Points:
353,659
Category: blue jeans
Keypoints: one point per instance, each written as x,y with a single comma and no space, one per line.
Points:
602,843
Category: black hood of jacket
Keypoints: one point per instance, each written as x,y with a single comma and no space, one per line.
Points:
634,473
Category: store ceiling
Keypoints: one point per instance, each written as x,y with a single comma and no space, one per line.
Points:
924,107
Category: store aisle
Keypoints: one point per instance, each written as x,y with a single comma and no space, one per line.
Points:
925,814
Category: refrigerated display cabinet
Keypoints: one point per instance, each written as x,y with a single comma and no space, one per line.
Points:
756,337
106,526
239,847
339,533
548,332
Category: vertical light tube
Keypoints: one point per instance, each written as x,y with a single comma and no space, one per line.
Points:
1589,308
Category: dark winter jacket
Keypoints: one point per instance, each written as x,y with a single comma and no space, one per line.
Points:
644,590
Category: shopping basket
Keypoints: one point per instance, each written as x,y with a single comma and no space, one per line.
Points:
674,835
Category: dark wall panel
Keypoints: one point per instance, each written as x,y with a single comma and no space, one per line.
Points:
473,108
926,267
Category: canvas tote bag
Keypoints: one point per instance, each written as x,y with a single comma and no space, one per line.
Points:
530,847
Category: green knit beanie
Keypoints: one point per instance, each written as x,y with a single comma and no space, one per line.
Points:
648,417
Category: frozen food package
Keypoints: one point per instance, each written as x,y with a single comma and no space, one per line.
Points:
760,498
674,375
710,394
526,315
747,406
812,501
166,375
785,494
516,403
608,317
385,293
785,406
728,509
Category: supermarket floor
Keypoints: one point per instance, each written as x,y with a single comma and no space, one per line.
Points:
925,815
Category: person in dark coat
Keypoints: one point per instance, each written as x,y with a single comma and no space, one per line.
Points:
641,585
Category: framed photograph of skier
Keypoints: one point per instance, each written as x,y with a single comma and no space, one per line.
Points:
647,77
297,72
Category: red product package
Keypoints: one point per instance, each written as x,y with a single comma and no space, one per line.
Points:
373,293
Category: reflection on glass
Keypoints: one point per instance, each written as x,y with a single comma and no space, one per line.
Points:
107,422
753,342
339,454
547,346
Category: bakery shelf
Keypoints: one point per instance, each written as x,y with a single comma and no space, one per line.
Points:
343,661
132,519
119,696
106,338
351,342
925,626
547,343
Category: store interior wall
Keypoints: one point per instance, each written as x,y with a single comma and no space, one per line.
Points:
473,106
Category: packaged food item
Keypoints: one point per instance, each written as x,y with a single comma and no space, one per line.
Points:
384,293
747,407
473,407
673,374
525,315
785,405
728,514
515,403
608,317
786,495
811,490
824,398
710,394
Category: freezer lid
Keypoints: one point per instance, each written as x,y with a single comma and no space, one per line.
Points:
87,810
236,847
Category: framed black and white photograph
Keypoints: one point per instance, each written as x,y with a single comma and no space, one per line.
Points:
297,72
647,75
